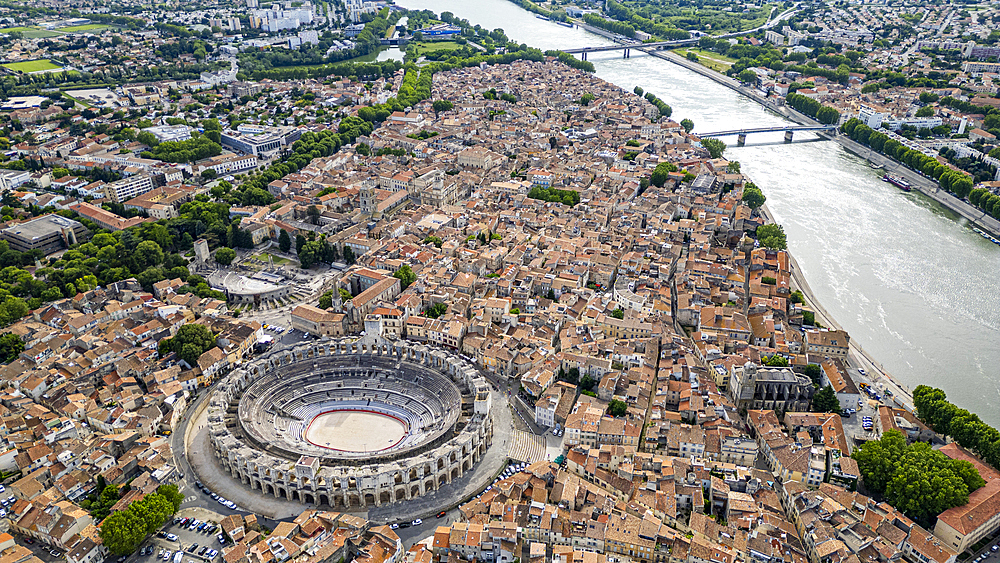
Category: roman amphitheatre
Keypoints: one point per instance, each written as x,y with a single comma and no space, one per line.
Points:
351,425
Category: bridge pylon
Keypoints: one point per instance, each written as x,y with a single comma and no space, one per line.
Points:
788,136
741,139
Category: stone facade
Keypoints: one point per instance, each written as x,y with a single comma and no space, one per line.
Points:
454,443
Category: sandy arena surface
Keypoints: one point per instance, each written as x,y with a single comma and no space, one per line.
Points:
355,431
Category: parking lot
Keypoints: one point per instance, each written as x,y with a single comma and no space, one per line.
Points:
184,536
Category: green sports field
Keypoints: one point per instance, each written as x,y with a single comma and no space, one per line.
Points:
88,27
32,66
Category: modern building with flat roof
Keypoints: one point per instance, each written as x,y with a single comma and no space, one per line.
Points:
48,233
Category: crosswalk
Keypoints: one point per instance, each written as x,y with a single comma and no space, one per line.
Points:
526,447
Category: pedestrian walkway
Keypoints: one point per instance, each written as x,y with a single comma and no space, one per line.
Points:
526,447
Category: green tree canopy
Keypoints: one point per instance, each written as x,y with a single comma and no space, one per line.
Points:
715,147
190,342
753,197
661,173
617,408
772,236
225,255
825,400
915,479
405,275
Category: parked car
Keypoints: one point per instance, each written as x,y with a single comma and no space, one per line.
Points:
172,537
442,514
417,522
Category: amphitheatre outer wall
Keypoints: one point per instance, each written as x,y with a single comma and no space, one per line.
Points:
267,450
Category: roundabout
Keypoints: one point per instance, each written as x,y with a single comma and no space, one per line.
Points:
351,425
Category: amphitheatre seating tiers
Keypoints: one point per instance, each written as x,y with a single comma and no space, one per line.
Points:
259,416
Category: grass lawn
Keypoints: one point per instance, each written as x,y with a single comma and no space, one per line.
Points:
31,32
714,61
278,260
427,46
32,66
88,27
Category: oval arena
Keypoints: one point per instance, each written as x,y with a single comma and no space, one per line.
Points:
348,425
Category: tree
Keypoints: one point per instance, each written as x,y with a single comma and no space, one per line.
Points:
190,342
772,236
753,197
748,76
147,254
715,147
326,300
209,174
919,481
284,241
11,346
617,408
733,167
348,254
345,295
442,105
776,361
638,91
687,124
926,111
405,275
225,255
171,493
618,313
661,173
813,372
825,400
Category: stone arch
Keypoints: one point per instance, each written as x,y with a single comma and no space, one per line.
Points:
324,499
384,497
401,494
369,499
454,473
429,485
413,474
308,498
465,465
353,500
270,490
442,479
414,491
440,463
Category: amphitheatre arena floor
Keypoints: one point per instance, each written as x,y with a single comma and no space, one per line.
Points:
355,431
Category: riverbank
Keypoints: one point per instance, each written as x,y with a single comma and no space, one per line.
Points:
875,375
921,183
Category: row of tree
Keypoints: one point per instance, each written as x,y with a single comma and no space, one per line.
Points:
566,197
965,427
123,531
623,13
986,200
813,108
914,478
950,180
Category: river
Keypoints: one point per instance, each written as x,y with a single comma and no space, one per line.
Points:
909,280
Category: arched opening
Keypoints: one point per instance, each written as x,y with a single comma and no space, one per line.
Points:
442,480
414,491
429,485
454,474
440,464
466,465
369,499
353,501
309,498
384,497
323,499
413,475
283,493
270,490
397,479
401,494
452,458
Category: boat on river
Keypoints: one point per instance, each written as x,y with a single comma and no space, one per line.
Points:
897,181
